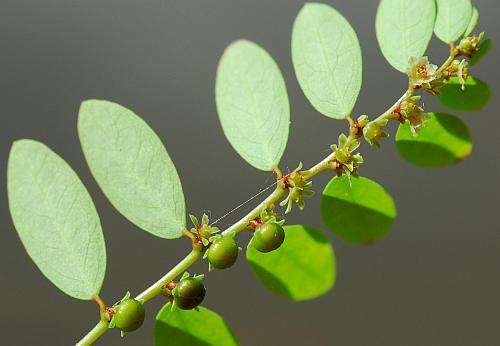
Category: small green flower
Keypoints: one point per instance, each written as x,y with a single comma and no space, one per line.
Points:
421,71
344,159
373,132
298,189
413,113
469,45
203,231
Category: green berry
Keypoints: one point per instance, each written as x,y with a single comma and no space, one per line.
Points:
189,293
129,315
223,252
268,237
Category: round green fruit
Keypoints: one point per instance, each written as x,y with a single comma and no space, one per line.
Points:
223,252
129,315
189,293
268,237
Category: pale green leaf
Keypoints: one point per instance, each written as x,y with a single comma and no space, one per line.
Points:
475,96
453,18
56,219
302,268
442,141
327,59
190,327
473,22
132,167
357,209
404,29
252,103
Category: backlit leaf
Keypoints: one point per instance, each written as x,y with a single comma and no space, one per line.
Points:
442,141
56,219
191,327
302,268
132,167
327,59
474,97
357,209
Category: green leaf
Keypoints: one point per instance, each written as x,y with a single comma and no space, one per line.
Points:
302,268
442,141
252,103
404,29
56,219
453,18
327,59
473,22
132,167
484,48
357,209
475,96
190,327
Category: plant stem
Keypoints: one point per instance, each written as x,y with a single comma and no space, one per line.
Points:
156,288
96,332
180,268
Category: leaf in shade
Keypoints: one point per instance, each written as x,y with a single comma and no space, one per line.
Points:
327,59
190,327
453,18
357,209
474,97
56,219
132,167
252,103
404,29
442,141
302,268
484,48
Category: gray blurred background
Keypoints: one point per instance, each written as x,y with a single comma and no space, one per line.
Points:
435,280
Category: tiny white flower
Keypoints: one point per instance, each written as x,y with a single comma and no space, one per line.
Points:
421,71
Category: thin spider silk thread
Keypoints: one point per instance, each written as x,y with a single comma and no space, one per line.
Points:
242,204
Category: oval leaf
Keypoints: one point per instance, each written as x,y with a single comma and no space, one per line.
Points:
252,103
327,59
473,22
132,167
442,141
475,96
404,29
453,18
484,48
191,327
357,209
302,268
56,219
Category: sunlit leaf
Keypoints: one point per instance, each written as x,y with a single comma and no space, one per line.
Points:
132,167
357,209
252,103
484,48
453,18
191,327
56,219
442,141
404,29
475,96
473,22
302,268
327,59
